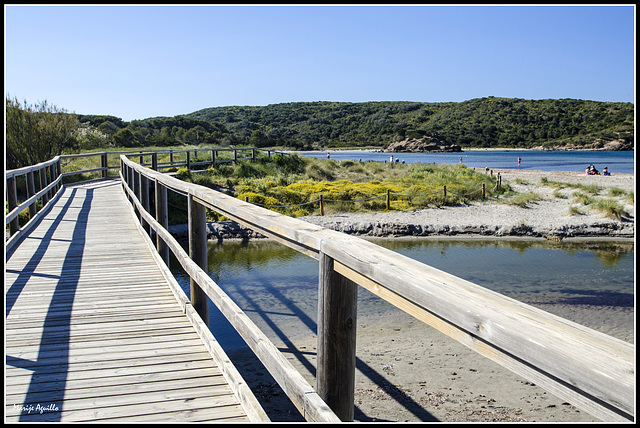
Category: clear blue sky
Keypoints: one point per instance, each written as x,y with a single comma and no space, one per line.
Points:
135,62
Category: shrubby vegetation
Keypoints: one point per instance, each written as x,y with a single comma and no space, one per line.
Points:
36,133
293,184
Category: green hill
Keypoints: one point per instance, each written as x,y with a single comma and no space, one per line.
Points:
477,123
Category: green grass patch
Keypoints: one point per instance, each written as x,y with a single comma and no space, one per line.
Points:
293,186
610,208
522,199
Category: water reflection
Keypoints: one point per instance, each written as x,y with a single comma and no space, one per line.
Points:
277,286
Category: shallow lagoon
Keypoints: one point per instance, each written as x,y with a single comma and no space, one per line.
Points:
587,281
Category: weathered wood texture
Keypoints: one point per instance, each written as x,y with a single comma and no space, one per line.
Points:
93,332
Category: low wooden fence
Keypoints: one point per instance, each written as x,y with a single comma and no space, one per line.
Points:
41,183
188,158
591,370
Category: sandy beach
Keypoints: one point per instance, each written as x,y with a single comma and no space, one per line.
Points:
550,216
408,371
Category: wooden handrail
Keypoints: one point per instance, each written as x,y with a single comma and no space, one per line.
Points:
293,384
49,184
593,371
104,168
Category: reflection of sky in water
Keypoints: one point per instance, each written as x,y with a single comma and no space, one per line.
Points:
277,287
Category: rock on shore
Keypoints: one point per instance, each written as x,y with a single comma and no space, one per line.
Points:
429,143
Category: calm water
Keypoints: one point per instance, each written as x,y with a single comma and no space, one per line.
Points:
617,162
277,287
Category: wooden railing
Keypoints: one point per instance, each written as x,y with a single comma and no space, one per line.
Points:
41,182
177,158
591,370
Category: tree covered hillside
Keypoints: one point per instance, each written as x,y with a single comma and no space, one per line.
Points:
484,122
477,123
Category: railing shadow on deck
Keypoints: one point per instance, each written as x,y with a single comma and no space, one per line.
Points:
50,368
565,358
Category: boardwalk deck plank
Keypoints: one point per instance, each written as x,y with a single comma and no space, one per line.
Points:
93,329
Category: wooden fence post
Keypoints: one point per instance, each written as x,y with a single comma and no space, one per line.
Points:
12,201
321,205
213,157
337,308
31,190
136,191
52,174
163,218
105,165
42,172
144,193
154,161
58,173
483,190
198,253
388,199
188,159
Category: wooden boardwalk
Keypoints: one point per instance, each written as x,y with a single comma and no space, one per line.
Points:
94,332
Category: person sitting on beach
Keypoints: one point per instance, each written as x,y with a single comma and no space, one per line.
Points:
605,171
591,170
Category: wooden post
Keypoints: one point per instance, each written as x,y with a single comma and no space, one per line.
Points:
136,191
253,154
321,205
58,166
388,199
52,174
188,159
171,157
198,253
12,201
154,161
337,308
42,172
31,190
483,190
444,191
105,165
213,157
162,217
144,193
235,155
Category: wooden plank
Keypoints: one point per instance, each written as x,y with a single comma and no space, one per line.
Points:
98,347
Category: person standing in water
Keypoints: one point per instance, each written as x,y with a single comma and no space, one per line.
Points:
519,160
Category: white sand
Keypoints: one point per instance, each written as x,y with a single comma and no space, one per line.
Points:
547,217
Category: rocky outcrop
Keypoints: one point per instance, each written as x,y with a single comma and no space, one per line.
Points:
428,143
